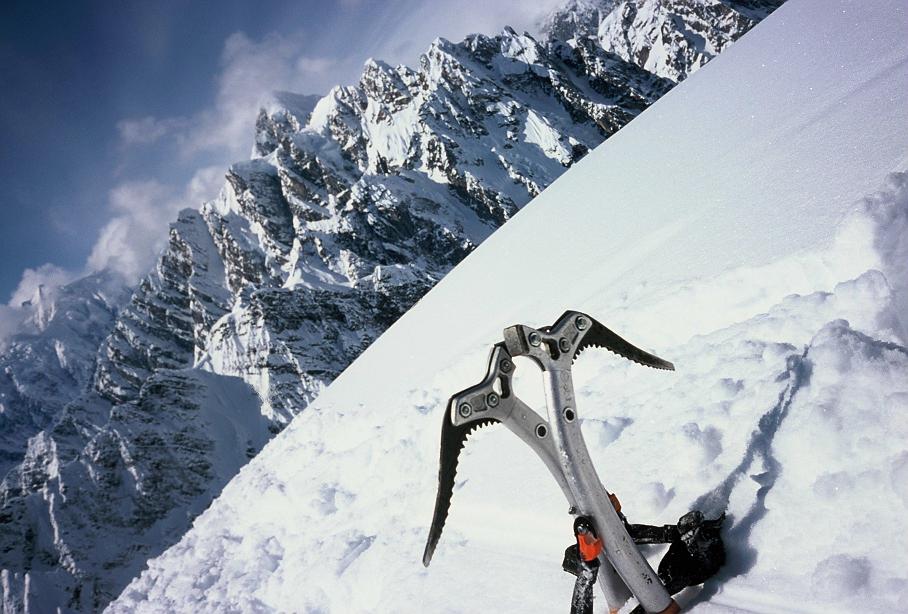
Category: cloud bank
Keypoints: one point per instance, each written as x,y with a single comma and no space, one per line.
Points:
142,210
14,314
250,71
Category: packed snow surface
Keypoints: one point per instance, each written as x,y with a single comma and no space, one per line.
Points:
752,227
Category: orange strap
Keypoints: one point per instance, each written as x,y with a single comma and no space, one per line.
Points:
589,546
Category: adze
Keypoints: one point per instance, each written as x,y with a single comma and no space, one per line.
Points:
558,441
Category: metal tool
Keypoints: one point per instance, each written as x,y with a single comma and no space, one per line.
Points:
558,441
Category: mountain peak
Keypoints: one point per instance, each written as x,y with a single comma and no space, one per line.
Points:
645,32
575,19
281,113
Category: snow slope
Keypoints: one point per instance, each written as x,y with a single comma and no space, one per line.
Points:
752,227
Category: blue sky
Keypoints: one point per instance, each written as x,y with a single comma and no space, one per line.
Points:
115,115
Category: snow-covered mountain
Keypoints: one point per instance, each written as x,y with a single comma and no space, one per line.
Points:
669,39
51,361
751,227
351,208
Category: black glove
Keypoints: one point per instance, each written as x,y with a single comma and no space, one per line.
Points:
575,565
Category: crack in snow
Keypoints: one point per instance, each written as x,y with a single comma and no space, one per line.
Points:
741,555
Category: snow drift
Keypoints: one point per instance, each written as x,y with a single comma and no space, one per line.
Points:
751,227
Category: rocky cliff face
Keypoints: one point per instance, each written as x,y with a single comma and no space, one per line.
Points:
672,39
667,38
51,361
351,208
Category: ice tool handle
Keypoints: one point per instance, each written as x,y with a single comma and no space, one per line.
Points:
493,400
554,349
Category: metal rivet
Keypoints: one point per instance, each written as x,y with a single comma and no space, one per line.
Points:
506,365
465,410
564,345
569,414
492,399
534,339
581,323
541,431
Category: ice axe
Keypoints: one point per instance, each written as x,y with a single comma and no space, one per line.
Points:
558,441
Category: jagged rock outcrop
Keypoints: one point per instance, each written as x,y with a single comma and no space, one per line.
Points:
330,236
51,361
576,19
673,39
79,520
350,209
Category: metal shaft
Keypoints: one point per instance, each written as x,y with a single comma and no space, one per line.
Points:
525,423
592,500
557,441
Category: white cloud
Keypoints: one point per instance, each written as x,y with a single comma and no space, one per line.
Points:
147,129
14,315
130,239
142,211
309,66
49,276
250,71
204,185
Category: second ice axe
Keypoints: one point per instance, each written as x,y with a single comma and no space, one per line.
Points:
557,441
